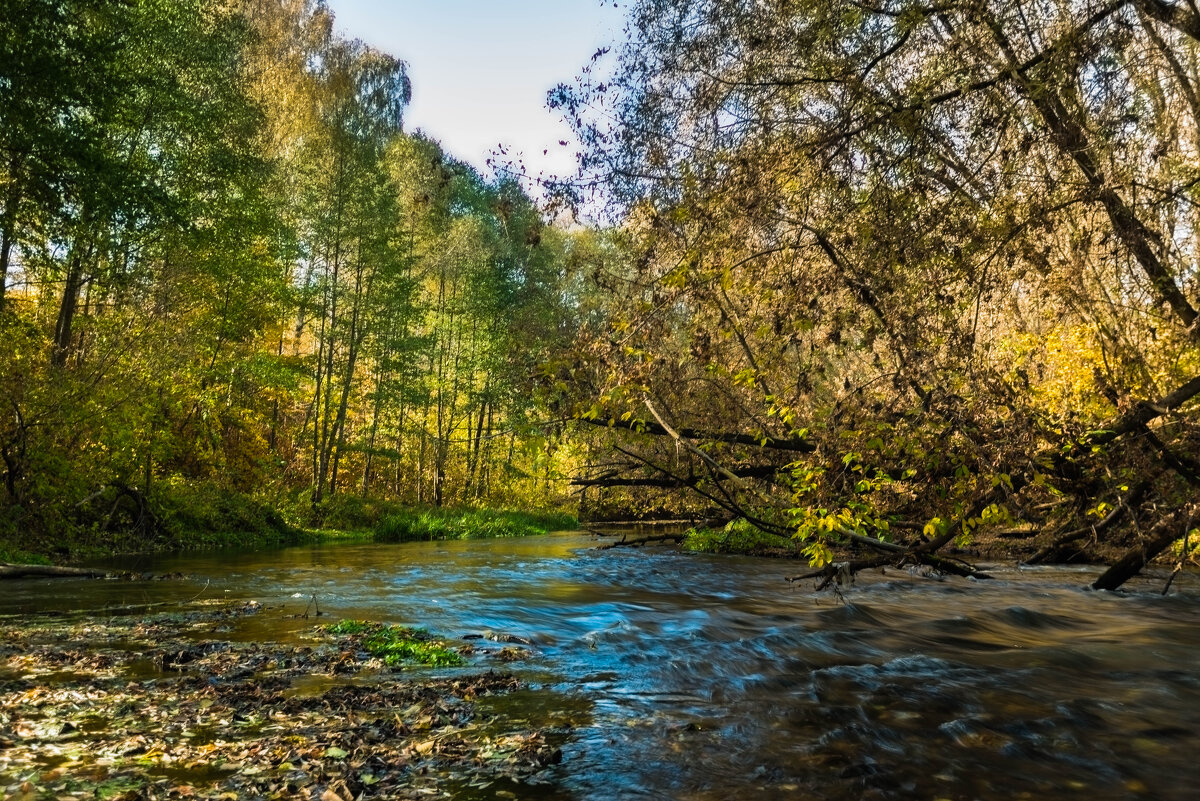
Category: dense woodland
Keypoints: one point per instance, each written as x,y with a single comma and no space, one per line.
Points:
883,277
231,277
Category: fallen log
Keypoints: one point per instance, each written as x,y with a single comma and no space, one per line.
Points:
832,569
901,559
11,571
1166,531
1136,418
641,541
593,525
674,482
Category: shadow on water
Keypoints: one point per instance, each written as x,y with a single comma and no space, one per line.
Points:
693,677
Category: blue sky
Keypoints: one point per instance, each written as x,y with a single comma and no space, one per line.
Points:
481,70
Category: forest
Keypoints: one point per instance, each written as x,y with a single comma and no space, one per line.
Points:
239,295
862,282
849,375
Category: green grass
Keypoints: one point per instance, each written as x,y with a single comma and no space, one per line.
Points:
738,536
16,556
399,645
350,627
467,524
198,515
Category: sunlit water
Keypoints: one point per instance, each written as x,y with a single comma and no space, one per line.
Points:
695,677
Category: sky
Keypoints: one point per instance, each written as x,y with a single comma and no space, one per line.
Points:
480,69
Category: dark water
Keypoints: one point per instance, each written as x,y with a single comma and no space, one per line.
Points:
692,677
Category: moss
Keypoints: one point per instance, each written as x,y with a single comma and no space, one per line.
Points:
398,645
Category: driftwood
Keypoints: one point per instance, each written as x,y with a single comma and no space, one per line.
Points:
10,571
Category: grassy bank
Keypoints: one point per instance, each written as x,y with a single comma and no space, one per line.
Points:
120,520
201,516
407,525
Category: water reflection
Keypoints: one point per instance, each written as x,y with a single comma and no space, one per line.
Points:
690,677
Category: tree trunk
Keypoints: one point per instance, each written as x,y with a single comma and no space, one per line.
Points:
1071,138
1166,531
66,311
374,431
6,243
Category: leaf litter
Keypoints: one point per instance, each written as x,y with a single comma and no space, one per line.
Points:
149,708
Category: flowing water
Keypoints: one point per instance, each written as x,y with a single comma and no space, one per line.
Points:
697,677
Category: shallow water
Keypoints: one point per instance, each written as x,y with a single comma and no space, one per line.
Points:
697,677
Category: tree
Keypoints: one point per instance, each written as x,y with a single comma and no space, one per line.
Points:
850,220
352,228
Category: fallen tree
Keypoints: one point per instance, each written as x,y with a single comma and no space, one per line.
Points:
919,245
637,542
1165,532
902,541
11,571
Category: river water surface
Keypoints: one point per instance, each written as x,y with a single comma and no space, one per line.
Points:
698,677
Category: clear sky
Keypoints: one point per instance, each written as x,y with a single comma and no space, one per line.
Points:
481,68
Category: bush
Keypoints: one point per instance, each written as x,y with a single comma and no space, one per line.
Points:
11,554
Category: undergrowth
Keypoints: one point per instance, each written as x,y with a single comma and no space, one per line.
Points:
465,524
738,536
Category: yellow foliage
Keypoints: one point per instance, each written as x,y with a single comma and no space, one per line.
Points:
1061,367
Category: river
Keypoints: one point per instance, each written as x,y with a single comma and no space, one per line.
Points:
700,677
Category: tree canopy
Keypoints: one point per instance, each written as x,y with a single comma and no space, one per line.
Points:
889,275
951,246
229,271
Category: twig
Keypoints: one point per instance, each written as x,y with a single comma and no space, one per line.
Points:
197,595
1183,554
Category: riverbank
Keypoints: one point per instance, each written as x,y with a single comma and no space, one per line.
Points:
992,545
198,517
166,706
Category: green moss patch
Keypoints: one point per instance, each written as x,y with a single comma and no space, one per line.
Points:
398,645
